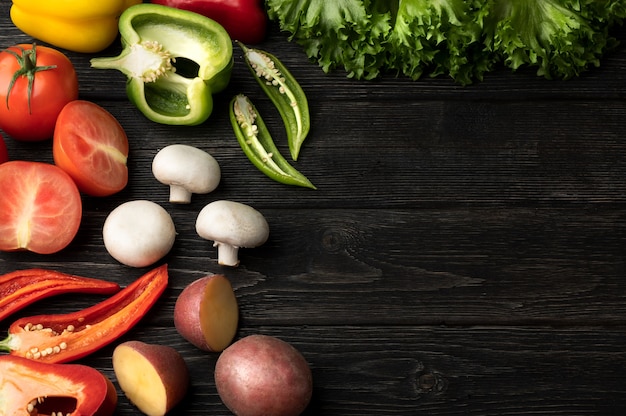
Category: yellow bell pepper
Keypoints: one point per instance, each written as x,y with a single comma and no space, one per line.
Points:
77,25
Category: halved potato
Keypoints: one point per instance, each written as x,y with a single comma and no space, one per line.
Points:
154,377
207,314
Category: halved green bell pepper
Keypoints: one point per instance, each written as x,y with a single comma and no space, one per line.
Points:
175,60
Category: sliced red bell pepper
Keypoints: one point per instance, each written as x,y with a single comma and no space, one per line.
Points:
23,287
67,337
244,20
28,387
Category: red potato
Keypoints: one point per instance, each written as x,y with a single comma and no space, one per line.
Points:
260,375
206,313
155,378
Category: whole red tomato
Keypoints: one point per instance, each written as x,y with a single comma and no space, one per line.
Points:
38,81
4,154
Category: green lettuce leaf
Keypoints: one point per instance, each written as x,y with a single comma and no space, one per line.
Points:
462,39
438,37
341,33
562,38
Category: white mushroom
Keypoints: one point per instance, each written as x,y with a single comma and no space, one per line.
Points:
231,225
138,233
187,170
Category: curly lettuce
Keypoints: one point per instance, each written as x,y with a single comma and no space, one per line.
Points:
462,39
341,33
437,37
560,38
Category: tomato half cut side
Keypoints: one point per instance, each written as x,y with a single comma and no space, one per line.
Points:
92,147
40,208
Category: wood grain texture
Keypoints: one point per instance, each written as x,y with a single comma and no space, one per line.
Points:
464,253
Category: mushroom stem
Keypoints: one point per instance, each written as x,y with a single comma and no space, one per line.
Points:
227,255
179,194
231,225
186,170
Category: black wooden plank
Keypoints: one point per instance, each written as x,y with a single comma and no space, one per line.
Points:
420,155
373,267
408,371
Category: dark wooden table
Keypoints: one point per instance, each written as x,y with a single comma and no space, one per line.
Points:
464,252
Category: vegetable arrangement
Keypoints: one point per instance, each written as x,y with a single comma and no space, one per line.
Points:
189,58
458,38
175,61
41,210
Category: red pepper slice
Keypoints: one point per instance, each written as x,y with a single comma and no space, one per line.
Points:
67,337
23,287
28,387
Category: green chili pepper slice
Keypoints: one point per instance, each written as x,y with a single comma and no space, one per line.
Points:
256,142
284,91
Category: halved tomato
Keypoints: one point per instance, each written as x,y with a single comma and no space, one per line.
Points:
92,147
40,208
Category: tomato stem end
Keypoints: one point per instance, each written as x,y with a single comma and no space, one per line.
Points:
27,59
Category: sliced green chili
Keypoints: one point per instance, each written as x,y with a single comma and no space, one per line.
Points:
285,92
257,144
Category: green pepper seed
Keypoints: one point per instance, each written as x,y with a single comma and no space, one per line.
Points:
285,92
257,144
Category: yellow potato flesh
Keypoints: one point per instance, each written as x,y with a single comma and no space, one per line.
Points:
219,313
140,381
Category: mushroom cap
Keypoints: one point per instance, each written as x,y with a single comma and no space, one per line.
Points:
138,233
188,167
232,223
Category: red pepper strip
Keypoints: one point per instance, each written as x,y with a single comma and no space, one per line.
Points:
23,287
68,337
32,388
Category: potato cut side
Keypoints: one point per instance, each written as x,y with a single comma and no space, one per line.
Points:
219,313
140,381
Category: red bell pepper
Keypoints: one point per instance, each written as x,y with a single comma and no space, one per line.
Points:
32,388
23,287
66,337
244,20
